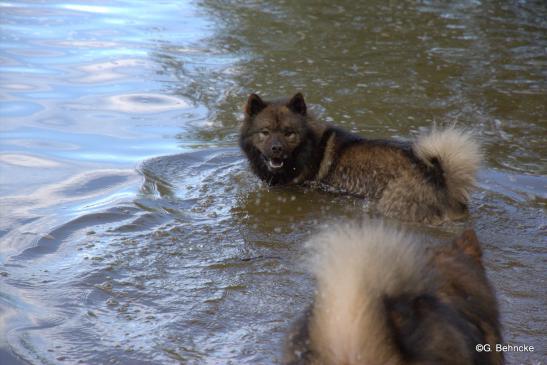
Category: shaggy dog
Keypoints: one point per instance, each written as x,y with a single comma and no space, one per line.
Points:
383,298
426,181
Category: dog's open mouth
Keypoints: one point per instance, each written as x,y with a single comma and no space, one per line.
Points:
275,163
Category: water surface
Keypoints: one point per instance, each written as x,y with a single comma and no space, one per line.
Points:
131,228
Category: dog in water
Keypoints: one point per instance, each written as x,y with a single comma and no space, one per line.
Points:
384,298
426,181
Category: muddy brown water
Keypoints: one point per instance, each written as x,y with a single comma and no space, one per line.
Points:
132,231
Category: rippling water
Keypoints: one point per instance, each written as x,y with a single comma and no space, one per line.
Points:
131,229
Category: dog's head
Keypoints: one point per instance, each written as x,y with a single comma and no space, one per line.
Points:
275,129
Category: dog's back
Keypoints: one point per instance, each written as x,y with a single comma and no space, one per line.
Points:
429,180
382,298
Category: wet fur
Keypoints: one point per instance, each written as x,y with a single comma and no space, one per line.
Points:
383,298
429,180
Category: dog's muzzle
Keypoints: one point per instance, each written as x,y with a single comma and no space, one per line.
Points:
274,163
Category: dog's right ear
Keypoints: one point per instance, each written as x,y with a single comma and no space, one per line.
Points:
254,105
469,244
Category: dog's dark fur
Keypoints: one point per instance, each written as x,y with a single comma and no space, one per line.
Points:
429,180
383,299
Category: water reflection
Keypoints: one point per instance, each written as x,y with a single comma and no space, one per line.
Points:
108,71
27,161
22,210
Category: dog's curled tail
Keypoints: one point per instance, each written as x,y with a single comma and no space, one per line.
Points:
458,154
357,268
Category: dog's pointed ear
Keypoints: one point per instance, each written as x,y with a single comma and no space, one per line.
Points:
254,105
469,244
297,104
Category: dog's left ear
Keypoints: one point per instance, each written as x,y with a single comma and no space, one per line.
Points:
469,244
297,104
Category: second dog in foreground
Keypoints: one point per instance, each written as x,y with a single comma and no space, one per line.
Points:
427,181
383,298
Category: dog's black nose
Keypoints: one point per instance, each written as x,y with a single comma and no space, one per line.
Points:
277,148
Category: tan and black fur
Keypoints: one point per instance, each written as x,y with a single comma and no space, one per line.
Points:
383,298
428,181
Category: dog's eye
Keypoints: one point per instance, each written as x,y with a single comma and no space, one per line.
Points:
289,134
264,133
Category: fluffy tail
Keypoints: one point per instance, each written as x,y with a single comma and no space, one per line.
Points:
459,157
356,268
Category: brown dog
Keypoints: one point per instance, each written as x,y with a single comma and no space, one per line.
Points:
429,180
384,299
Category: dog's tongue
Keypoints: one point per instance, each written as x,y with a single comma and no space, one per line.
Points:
275,163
